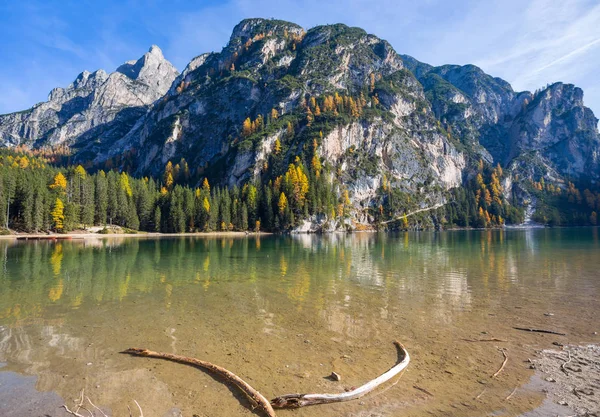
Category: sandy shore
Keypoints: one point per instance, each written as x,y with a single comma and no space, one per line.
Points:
88,235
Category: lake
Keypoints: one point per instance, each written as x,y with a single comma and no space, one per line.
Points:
283,312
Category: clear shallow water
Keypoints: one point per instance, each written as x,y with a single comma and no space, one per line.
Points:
283,312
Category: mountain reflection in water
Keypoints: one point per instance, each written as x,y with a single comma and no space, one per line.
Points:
276,308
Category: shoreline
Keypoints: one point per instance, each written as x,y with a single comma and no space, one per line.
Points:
153,235
93,235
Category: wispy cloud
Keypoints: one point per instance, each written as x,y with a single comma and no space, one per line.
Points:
555,42
568,56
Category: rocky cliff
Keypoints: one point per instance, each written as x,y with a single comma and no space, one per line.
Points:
549,133
275,68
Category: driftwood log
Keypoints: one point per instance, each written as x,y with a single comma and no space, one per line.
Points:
302,400
503,363
229,376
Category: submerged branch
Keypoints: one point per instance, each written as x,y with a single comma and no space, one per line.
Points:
229,376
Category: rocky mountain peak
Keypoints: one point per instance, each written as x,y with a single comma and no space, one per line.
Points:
152,69
91,103
343,56
251,28
338,32
559,92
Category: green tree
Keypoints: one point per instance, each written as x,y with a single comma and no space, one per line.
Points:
100,198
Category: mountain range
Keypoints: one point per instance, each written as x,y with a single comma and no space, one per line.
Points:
395,120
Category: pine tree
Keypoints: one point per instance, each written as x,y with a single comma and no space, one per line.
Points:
145,203
10,185
38,208
213,215
189,208
225,208
112,207
100,198
157,219
87,201
71,217
244,217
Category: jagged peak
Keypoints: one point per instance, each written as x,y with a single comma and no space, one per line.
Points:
155,50
85,76
560,93
147,66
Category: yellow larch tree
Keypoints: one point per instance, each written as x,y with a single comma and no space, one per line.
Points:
247,127
124,183
80,171
277,147
205,185
283,202
59,183
317,110
58,215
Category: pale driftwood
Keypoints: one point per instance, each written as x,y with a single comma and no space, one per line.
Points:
75,411
139,408
229,376
302,400
511,394
101,412
563,365
481,393
79,406
503,363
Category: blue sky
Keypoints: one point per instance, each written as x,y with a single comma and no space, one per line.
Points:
45,44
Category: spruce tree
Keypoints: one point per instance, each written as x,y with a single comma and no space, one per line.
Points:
100,198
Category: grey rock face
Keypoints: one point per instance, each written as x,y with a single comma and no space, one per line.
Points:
557,132
97,107
151,69
550,133
211,101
